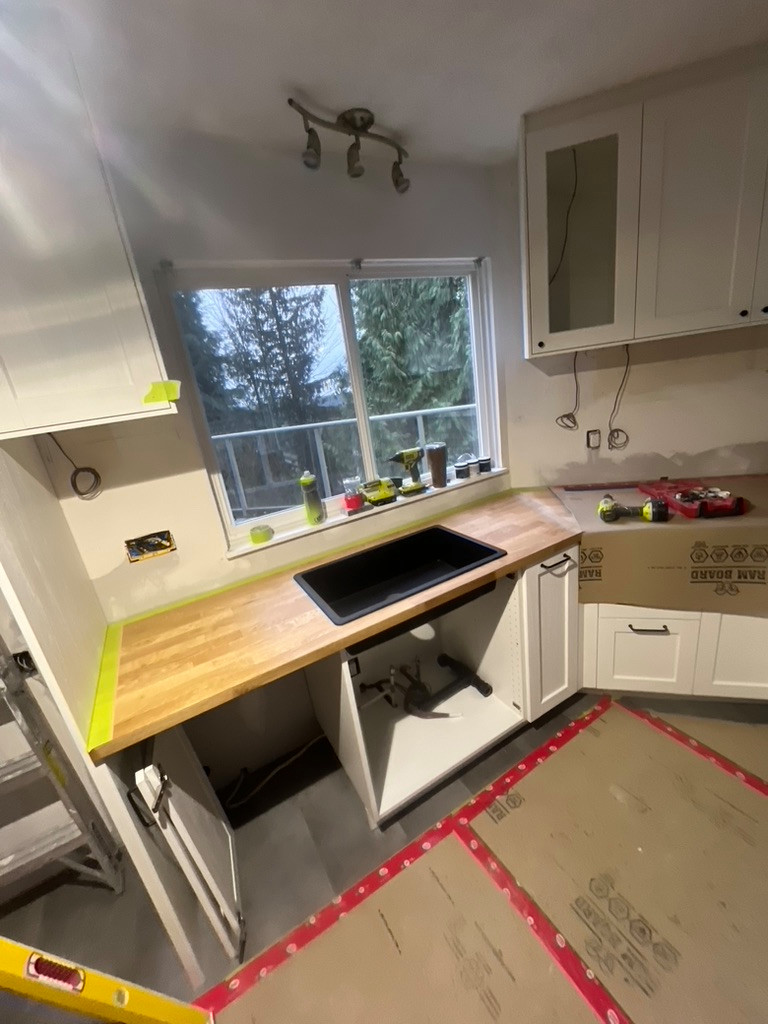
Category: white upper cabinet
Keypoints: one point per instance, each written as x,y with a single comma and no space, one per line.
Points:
647,220
705,152
759,307
75,343
582,208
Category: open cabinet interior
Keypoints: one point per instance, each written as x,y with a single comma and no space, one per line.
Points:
392,755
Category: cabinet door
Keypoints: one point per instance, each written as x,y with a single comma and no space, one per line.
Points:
705,152
583,189
732,661
550,613
182,802
75,344
652,655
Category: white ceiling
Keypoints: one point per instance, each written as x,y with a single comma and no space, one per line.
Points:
450,77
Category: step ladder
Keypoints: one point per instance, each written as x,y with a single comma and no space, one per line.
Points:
68,830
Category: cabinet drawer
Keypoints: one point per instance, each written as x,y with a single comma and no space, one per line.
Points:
650,654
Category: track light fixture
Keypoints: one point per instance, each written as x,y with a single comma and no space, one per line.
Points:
357,122
354,168
311,155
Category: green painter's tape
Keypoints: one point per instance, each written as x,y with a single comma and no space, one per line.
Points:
102,716
163,391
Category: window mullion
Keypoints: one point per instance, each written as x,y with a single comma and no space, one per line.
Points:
356,380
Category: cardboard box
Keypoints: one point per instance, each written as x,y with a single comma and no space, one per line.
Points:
711,565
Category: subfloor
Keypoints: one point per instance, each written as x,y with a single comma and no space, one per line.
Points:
295,856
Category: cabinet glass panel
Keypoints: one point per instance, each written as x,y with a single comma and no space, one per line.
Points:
581,233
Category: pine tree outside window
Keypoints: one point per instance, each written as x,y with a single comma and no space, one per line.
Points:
332,370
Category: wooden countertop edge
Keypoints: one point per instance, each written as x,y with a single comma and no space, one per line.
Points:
360,629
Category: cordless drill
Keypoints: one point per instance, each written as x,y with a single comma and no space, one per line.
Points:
409,459
655,510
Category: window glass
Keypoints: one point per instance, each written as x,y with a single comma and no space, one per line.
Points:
271,369
415,342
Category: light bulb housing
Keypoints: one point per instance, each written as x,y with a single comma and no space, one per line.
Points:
311,155
354,168
399,180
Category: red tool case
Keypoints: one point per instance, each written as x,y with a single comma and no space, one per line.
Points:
694,499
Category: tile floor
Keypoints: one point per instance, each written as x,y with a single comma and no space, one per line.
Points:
308,841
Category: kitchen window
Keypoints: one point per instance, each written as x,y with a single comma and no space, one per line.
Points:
332,369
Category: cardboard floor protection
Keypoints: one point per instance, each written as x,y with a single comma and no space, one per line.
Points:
653,863
745,743
438,944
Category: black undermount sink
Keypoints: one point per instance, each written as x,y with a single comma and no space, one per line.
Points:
361,583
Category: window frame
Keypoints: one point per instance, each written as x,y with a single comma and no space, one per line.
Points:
193,276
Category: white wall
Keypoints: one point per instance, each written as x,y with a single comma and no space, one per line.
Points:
44,583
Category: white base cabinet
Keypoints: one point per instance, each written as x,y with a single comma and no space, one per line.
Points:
655,652
521,638
390,756
732,659
651,650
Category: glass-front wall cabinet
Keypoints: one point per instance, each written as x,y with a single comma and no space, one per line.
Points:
583,182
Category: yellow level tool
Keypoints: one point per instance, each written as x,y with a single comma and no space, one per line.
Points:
30,976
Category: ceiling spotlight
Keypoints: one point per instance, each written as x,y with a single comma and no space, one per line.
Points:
311,155
356,122
354,168
399,180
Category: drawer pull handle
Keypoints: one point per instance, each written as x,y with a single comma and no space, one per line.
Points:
664,631
557,564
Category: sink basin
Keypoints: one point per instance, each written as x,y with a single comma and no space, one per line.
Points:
364,582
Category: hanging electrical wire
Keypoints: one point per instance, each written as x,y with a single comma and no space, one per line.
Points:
235,799
618,438
91,487
567,420
567,215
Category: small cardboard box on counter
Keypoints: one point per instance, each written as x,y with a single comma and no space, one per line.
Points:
711,565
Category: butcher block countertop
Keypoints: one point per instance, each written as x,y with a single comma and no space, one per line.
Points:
162,669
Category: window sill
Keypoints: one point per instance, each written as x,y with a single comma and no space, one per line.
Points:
394,512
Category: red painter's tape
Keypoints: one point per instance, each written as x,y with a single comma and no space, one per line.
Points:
559,949
692,744
510,778
222,995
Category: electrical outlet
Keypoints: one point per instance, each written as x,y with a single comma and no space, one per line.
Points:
593,439
150,545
